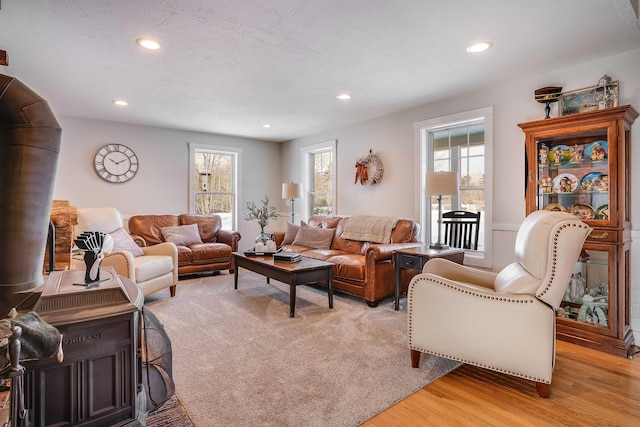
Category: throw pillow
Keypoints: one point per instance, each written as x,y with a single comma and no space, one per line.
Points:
182,235
290,235
122,241
314,237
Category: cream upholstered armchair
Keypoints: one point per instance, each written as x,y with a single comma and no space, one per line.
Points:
152,268
501,321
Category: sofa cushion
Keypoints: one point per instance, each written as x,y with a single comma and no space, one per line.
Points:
352,246
182,235
208,225
348,266
149,226
290,235
207,252
123,241
322,254
324,221
152,266
314,237
184,255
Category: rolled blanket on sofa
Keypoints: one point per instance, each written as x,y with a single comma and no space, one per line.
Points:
369,228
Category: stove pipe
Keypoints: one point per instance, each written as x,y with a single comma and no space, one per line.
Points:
29,148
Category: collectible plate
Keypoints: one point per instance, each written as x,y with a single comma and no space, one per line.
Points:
555,207
594,182
565,183
582,211
602,212
597,151
559,154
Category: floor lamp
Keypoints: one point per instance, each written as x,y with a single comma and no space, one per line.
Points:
439,184
292,191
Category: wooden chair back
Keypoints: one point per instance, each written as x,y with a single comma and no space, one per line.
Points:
461,229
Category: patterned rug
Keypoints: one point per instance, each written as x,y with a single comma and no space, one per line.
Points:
171,414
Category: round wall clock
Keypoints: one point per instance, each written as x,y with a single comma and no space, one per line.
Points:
116,163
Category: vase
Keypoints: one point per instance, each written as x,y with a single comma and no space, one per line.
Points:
263,237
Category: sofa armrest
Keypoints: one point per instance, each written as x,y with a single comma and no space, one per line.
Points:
231,238
384,251
138,239
460,273
278,237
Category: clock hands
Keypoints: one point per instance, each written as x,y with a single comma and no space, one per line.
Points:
117,163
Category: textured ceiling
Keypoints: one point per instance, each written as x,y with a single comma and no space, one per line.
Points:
229,66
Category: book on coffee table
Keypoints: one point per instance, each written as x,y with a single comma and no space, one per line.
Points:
287,257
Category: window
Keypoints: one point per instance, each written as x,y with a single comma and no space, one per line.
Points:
459,143
214,182
319,179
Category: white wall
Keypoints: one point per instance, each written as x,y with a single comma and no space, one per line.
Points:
161,185
392,137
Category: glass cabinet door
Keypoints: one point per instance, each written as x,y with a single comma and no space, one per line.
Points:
573,174
586,299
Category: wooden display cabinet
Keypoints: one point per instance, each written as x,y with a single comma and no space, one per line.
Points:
581,163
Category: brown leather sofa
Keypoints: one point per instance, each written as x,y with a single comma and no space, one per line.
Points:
213,254
363,269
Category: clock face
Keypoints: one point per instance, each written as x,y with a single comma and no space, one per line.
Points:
116,163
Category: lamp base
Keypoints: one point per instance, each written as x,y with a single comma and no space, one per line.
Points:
438,246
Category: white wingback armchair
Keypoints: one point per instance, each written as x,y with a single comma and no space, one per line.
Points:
154,270
501,321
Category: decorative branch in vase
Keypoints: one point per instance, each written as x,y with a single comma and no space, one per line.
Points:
263,215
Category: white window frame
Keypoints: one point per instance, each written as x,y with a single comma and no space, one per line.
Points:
236,153
306,153
422,131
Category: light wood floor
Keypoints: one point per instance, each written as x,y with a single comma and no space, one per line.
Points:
589,388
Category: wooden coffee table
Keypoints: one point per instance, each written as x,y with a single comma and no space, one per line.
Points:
305,271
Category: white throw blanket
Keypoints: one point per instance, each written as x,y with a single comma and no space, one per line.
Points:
369,228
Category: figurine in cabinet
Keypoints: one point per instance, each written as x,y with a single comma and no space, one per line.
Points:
544,152
576,154
557,155
598,153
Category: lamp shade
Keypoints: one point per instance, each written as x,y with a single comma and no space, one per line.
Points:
441,183
291,190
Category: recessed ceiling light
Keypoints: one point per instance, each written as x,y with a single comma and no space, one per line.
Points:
266,125
479,47
146,43
120,102
344,96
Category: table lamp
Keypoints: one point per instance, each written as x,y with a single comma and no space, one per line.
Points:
439,184
292,191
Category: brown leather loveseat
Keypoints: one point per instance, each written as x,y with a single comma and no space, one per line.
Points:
202,245
361,268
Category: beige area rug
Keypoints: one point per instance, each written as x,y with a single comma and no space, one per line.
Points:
240,360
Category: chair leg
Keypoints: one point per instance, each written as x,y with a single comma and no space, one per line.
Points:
543,389
172,290
415,358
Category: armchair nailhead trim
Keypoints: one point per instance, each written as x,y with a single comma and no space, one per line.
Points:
552,275
476,294
481,365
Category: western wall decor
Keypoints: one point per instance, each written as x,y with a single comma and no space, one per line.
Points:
116,163
598,97
369,169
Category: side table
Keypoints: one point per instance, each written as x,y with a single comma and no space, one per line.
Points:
415,258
